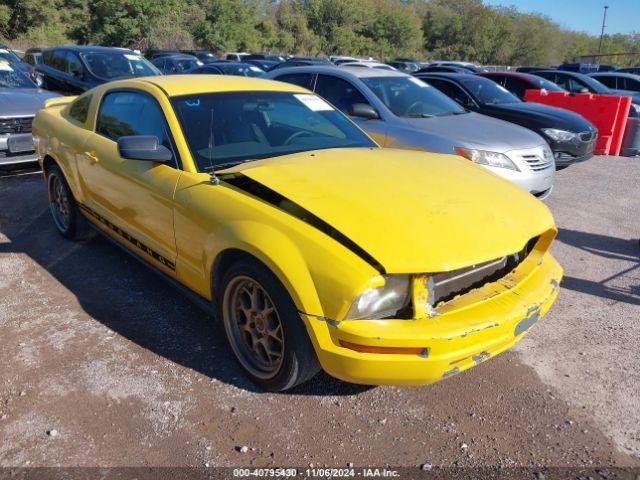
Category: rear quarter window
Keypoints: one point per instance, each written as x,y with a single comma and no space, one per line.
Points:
79,109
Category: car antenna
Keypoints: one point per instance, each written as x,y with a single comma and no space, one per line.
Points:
213,179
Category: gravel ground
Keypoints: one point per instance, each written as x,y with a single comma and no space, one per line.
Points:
105,365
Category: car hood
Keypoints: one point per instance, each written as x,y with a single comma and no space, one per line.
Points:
635,96
413,212
538,115
22,101
474,130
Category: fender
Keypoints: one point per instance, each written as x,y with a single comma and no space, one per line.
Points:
275,250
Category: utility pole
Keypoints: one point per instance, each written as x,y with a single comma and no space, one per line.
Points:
604,19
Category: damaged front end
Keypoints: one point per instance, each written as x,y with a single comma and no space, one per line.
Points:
452,321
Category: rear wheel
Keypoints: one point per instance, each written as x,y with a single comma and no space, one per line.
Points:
64,208
264,329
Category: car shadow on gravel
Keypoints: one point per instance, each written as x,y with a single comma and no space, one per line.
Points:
611,248
119,292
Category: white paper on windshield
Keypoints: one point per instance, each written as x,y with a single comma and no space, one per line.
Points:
128,56
5,67
418,82
313,102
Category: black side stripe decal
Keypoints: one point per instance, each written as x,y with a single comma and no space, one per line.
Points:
272,197
132,240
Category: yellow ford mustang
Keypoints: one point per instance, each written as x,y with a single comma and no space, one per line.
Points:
313,246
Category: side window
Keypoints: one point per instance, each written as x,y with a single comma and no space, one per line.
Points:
631,84
450,90
79,109
132,113
47,57
57,60
607,81
29,59
74,66
499,80
300,79
340,93
516,86
159,62
170,65
577,86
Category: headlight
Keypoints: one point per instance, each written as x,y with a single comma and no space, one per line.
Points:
483,157
380,302
559,135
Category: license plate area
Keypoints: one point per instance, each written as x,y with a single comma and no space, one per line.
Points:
20,143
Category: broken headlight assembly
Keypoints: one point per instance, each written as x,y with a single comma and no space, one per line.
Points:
382,301
484,157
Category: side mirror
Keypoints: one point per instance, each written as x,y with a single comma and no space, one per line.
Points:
143,147
364,110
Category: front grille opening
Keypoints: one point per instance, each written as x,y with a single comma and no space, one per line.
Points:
16,125
448,285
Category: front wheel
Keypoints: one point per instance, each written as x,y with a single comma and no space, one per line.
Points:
264,329
64,208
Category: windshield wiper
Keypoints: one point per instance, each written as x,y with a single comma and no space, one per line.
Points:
420,115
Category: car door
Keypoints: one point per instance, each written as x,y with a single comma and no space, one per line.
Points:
132,198
342,94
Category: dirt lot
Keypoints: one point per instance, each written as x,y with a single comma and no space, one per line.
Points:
103,364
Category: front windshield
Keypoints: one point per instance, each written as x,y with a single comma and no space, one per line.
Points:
242,70
487,91
112,65
546,84
10,77
410,97
9,56
228,128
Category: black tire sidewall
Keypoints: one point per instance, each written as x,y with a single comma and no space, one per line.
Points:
299,362
74,214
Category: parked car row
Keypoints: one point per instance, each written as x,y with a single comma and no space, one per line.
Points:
568,138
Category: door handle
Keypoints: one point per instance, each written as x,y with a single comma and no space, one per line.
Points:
92,156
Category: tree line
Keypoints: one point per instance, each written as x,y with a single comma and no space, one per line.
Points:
429,29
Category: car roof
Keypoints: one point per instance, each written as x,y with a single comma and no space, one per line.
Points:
223,63
453,76
190,84
521,75
89,49
615,74
357,72
178,56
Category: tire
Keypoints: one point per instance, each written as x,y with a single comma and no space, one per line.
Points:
256,309
64,209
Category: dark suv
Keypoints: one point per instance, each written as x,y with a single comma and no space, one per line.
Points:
73,70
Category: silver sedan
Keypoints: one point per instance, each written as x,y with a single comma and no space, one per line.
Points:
400,111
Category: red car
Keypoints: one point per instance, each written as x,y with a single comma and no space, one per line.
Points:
517,83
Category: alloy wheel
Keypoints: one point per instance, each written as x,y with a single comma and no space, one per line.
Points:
253,326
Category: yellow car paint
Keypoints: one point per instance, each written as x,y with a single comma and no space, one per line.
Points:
412,212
